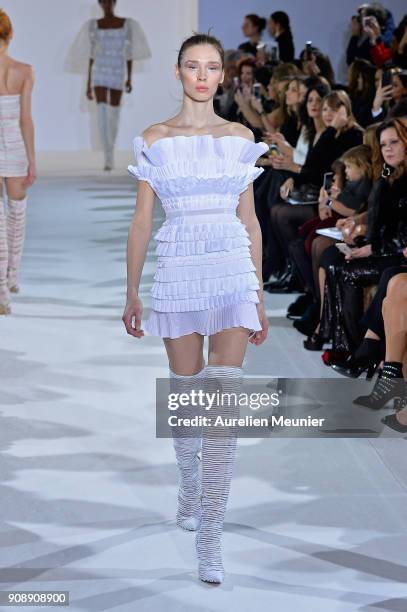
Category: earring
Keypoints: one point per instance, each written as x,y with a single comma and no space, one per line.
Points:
386,171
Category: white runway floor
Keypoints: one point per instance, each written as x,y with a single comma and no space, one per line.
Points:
88,494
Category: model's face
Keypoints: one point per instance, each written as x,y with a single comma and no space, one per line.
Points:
107,5
246,75
398,89
248,28
314,105
353,172
292,95
392,147
200,72
328,114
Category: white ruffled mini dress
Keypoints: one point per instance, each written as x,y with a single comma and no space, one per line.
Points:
205,280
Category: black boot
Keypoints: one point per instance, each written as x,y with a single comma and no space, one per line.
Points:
388,386
366,359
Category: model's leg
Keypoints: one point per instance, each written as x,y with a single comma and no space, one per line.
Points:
4,291
113,120
186,368
103,121
16,224
223,375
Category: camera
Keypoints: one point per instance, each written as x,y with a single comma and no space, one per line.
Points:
274,150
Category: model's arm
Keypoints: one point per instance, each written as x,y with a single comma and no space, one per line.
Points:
27,125
137,244
89,87
129,70
247,214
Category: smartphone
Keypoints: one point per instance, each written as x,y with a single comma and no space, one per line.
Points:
236,83
328,181
308,51
344,248
256,90
386,77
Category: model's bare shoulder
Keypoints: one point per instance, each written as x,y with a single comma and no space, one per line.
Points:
237,129
155,132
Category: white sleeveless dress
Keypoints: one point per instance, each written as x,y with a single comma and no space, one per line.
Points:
13,156
205,279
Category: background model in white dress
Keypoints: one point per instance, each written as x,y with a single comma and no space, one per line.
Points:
13,156
205,280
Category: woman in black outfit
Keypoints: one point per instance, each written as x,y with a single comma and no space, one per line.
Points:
307,111
280,29
252,28
341,133
362,91
386,237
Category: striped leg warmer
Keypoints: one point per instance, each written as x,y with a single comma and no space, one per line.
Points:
218,458
187,445
4,291
16,222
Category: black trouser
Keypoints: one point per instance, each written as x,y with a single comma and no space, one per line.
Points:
373,317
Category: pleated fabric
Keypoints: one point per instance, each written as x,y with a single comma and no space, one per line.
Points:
13,157
205,279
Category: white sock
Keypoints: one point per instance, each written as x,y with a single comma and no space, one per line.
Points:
104,130
218,459
114,116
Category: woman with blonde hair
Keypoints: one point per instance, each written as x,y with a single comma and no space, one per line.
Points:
17,160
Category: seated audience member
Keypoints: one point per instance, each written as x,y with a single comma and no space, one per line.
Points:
252,28
280,29
224,99
267,191
254,113
342,203
362,92
339,133
316,64
386,236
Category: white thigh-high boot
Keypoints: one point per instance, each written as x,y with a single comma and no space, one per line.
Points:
4,291
16,223
104,130
218,459
114,116
187,445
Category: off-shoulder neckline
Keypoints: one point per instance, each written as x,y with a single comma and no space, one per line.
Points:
147,147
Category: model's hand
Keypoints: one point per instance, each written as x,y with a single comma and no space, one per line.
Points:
89,92
260,336
128,86
132,316
31,175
